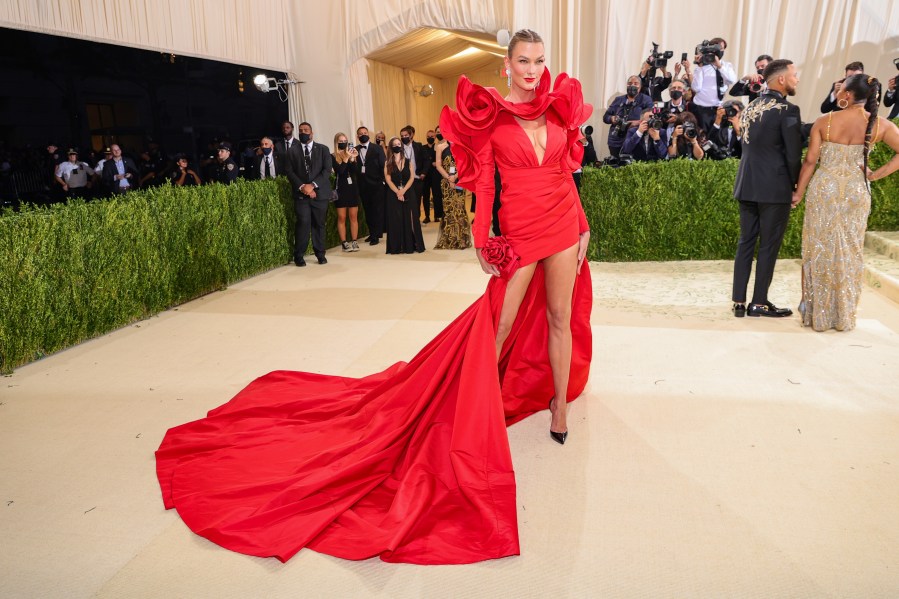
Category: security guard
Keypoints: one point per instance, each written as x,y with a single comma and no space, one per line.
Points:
74,176
225,169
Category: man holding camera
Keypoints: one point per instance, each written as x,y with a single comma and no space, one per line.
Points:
675,106
651,84
889,98
752,85
624,113
726,134
830,102
711,80
648,140
769,170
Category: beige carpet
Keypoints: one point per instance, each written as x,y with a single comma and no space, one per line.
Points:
709,457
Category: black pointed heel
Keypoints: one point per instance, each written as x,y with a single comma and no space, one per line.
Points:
557,437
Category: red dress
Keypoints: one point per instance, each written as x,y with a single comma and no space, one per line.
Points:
411,464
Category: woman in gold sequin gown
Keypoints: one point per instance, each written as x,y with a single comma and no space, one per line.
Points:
455,230
838,203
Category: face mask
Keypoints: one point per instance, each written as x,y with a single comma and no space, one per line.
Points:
440,136
266,151
676,94
341,145
305,137
632,91
364,139
396,149
760,71
430,140
406,140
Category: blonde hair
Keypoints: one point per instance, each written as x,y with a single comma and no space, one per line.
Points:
341,156
524,35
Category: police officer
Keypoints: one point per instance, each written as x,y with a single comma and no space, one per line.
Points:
225,169
74,176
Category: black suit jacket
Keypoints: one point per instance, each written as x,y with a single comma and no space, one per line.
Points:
889,99
319,173
110,171
422,164
772,150
741,88
281,153
374,163
829,105
733,146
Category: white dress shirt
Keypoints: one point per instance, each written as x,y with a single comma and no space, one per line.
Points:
705,85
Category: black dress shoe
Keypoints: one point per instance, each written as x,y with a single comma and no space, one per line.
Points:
301,262
322,259
374,242
770,311
739,310
557,437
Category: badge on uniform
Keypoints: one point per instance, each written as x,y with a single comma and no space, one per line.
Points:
230,166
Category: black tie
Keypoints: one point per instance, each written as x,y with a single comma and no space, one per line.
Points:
308,159
719,79
268,168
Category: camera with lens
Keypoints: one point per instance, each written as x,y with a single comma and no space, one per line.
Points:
708,52
657,121
730,109
756,87
713,151
690,131
620,128
658,60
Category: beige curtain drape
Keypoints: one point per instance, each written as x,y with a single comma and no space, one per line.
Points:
324,44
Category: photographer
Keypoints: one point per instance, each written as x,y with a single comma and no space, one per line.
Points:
651,84
685,139
648,140
711,80
752,85
889,98
625,112
676,105
830,102
726,136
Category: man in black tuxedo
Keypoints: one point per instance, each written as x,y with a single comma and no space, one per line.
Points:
769,170
418,164
372,186
285,144
830,102
120,174
308,166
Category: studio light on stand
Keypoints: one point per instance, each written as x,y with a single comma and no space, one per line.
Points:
268,84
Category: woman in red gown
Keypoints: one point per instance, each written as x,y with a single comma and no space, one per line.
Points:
412,464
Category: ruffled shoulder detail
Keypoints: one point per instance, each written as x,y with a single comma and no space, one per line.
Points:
477,108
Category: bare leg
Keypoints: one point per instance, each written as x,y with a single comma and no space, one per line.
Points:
561,270
515,290
341,224
354,223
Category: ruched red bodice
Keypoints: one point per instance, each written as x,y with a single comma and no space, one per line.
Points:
411,464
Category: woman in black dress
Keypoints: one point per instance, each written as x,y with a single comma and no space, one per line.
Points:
346,169
403,227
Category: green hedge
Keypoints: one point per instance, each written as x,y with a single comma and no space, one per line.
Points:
684,210
72,272
75,271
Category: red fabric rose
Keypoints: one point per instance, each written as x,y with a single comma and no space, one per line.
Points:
500,254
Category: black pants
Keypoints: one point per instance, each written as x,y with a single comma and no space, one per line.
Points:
765,223
705,116
417,189
311,215
372,197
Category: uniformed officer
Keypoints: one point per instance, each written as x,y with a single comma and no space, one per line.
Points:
225,169
74,176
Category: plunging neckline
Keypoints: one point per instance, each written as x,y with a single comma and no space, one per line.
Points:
531,145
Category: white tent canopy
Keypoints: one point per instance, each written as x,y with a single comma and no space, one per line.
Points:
363,62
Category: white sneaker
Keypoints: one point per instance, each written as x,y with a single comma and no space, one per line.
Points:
346,247
354,246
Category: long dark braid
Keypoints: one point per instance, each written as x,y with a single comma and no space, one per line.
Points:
866,88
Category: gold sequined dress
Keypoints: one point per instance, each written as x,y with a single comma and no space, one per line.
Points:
455,230
833,235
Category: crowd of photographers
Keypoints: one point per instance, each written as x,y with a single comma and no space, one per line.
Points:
694,112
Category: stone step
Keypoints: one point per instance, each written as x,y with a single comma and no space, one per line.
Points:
882,273
883,242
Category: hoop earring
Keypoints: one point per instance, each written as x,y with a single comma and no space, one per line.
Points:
843,103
